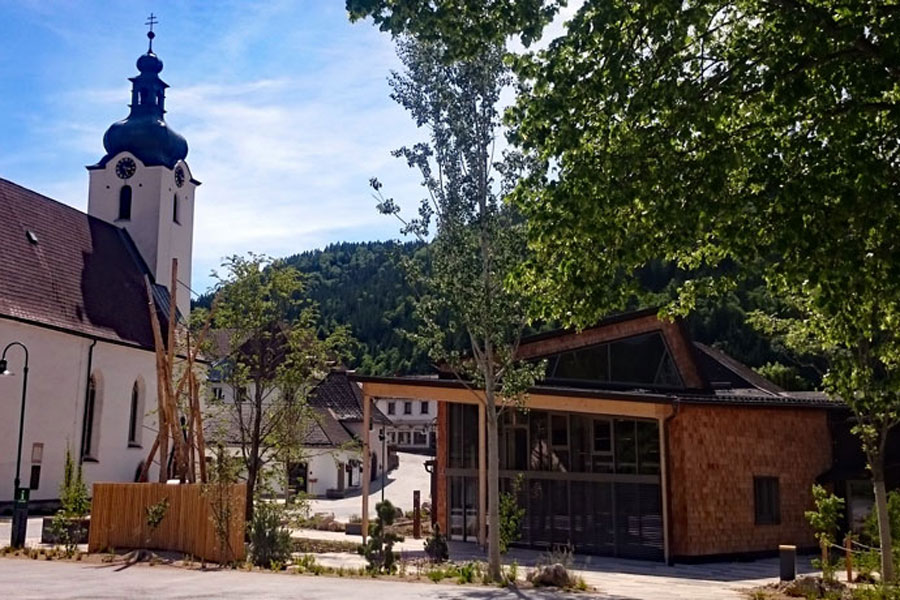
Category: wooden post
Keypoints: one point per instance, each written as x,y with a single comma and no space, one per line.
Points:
482,477
367,464
664,480
848,557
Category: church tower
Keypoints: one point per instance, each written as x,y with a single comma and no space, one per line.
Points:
143,183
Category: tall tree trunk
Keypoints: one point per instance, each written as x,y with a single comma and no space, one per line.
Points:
884,520
493,485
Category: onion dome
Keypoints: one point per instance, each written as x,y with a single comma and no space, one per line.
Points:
144,132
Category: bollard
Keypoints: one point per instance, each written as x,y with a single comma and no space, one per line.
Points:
417,516
848,557
788,562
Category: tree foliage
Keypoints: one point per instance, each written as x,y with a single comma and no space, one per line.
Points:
730,138
461,27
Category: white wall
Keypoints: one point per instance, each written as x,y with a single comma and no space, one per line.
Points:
55,406
157,237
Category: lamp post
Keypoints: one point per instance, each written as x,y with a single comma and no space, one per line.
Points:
20,504
382,436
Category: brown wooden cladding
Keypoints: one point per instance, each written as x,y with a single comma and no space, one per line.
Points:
443,450
118,520
714,454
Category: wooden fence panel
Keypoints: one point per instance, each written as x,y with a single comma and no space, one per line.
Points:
119,520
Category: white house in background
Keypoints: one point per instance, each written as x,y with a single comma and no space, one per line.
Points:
413,422
73,292
332,445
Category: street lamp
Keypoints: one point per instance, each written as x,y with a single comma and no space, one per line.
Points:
20,505
382,436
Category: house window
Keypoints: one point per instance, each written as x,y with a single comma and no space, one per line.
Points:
407,408
766,500
35,481
419,438
391,408
403,438
423,408
125,203
134,421
91,414
176,217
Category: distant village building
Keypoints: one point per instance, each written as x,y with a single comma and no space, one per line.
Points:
413,422
73,292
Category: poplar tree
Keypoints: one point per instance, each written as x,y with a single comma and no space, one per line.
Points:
470,322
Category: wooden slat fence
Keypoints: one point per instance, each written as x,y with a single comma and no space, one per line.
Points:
119,520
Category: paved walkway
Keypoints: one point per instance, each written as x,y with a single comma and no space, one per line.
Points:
399,486
617,578
32,580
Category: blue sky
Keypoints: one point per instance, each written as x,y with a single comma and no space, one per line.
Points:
284,105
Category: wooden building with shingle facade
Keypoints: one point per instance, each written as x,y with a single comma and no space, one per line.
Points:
638,443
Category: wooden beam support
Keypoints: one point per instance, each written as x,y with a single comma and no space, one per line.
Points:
538,401
482,476
367,464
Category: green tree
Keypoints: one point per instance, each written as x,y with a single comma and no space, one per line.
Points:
729,138
461,27
469,321
276,354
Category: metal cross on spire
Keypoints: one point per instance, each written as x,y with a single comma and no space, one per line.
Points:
150,35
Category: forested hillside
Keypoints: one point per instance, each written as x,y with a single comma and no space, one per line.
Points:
363,286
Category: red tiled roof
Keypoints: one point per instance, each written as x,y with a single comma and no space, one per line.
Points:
64,269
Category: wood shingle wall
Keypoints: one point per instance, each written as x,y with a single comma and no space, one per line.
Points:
716,451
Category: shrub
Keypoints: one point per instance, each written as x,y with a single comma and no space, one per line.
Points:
513,572
378,549
824,521
436,546
269,540
74,505
466,573
511,515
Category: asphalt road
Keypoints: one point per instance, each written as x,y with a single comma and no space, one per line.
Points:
33,579
400,484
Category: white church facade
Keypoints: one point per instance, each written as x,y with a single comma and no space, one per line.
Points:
73,292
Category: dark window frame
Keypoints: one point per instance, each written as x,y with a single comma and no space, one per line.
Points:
133,417
407,408
766,500
423,408
391,408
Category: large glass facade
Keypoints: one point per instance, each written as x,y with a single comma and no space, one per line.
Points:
589,481
642,359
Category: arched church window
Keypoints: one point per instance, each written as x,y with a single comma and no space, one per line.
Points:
134,420
175,210
125,202
90,431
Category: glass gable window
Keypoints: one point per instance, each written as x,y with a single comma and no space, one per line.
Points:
642,359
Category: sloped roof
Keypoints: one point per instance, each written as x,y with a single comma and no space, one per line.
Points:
343,398
64,269
326,431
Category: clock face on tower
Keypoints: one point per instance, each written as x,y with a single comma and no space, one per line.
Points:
179,177
125,168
